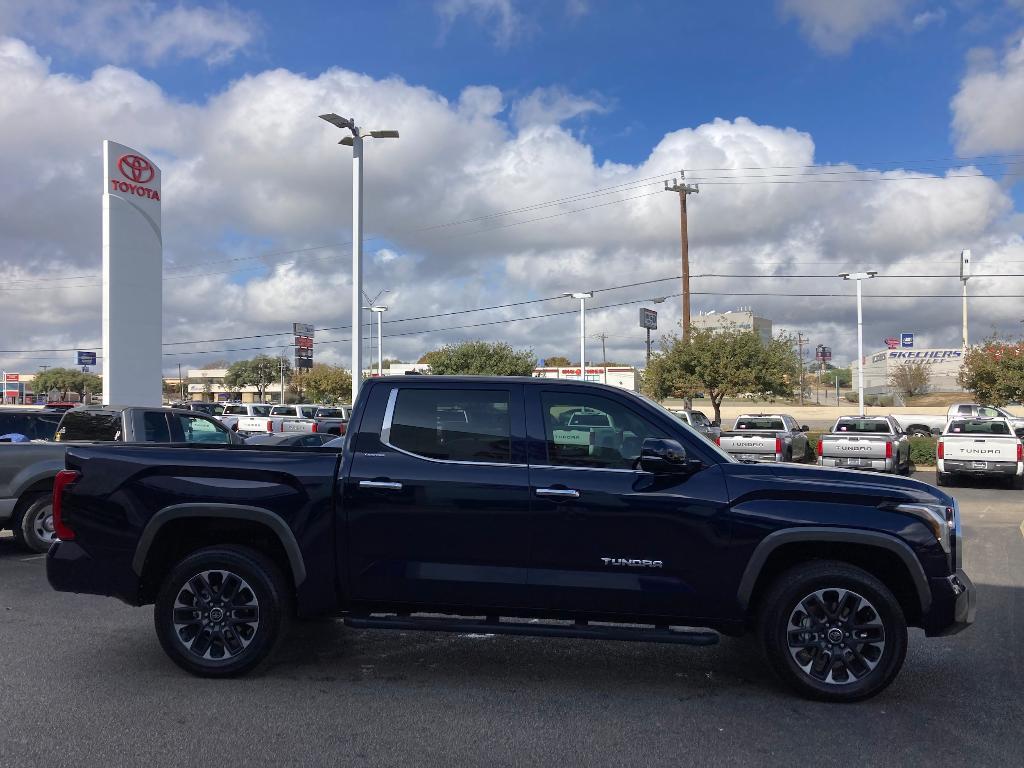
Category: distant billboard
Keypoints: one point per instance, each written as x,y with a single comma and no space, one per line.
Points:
648,319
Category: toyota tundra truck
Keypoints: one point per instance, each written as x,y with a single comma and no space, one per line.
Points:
514,506
760,437
875,443
982,448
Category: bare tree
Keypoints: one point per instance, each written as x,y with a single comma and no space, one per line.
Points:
911,379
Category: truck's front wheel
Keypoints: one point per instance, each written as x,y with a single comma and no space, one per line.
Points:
222,611
833,631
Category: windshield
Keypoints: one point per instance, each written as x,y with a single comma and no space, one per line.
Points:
745,422
683,425
863,426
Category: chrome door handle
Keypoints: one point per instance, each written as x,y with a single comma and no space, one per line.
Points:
385,485
561,493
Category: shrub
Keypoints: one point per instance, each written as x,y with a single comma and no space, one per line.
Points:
922,451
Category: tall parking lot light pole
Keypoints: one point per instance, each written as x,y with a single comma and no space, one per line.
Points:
859,276
582,296
356,142
379,311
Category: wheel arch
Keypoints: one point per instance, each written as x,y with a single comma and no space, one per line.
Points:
274,531
881,554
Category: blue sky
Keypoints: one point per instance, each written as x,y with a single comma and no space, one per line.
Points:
654,65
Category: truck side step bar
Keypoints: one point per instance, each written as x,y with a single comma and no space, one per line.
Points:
660,634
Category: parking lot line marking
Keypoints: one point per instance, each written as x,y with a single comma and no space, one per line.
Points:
40,557
1022,528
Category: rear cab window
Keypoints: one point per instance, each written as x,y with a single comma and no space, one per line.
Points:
760,424
97,426
450,424
978,427
34,426
863,426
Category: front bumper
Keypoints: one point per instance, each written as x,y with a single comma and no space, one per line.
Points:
69,568
954,601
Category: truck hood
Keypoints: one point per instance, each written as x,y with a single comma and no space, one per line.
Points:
839,482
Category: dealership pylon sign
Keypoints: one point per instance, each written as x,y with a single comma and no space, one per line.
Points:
132,277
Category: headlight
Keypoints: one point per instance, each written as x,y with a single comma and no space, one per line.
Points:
940,518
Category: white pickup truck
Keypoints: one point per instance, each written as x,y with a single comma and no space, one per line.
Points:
282,418
875,443
980,447
766,437
235,411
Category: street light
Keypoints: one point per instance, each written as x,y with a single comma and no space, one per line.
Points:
356,142
582,296
378,311
859,276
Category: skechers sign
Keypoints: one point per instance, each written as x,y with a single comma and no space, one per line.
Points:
137,171
926,355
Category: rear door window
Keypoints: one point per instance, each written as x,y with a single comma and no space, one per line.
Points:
196,429
101,426
155,427
452,424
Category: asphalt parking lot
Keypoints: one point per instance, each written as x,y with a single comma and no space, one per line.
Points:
84,682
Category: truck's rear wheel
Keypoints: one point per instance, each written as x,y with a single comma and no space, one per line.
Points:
222,611
833,632
943,479
33,523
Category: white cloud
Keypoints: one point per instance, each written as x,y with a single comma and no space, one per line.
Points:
251,170
122,30
987,108
504,20
553,106
928,18
833,26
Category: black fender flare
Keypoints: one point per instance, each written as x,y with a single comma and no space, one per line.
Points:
228,511
885,541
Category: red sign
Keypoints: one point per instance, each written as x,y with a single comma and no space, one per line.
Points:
12,377
892,342
135,168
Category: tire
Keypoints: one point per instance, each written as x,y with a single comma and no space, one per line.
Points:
943,479
253,615
919,432
826,590
33,523
1016,483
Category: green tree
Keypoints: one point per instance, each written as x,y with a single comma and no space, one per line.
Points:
911,379
259,372
480,358
994,372
327,384
66,381
388,361
558,361
721,364
845,376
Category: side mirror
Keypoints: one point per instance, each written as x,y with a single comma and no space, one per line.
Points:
805,428
660,456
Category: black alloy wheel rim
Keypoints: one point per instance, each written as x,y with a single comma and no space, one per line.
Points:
216,615
835,636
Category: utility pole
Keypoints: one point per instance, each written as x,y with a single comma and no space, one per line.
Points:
181,384
965,275
604,354
683,189
800,340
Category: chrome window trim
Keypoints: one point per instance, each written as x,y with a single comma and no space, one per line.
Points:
385,439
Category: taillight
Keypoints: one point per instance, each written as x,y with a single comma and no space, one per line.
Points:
1020,451
942,450
718,441
778,445
888,450
821,446
270,426
344,428
63,479
314,426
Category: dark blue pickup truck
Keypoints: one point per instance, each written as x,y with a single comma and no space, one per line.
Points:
515,506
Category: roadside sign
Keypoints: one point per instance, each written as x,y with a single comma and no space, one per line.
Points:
648,319
892,342
12,377
907,340
302,329
86,358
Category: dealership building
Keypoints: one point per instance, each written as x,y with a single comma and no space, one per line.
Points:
943,364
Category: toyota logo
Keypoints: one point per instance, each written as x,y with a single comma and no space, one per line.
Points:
135,168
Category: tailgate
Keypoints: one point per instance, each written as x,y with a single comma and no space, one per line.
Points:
254,424
297,425
1003,448
854,447
752,444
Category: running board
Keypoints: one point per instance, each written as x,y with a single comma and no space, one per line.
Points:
660,634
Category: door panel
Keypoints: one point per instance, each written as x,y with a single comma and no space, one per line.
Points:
629,541
437,497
